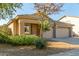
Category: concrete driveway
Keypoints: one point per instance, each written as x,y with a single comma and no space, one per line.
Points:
73,41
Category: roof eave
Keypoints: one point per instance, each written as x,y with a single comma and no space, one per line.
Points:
14,19
62,17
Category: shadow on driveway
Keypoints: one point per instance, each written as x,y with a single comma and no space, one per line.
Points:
74,40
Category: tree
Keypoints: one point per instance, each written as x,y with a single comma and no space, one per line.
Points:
47,9
7,10
5,30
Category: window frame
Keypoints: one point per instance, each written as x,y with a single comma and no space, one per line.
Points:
27,26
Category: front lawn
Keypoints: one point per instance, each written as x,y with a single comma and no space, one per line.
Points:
10,50
26,45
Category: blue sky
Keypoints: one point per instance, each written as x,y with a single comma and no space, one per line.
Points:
69,9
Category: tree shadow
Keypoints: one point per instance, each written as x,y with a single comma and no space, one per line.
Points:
31,51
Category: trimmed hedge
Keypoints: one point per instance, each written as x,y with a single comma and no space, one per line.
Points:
23,39
4,38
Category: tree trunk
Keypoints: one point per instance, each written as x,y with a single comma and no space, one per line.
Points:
41,31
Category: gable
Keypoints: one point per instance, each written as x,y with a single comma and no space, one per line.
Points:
70,19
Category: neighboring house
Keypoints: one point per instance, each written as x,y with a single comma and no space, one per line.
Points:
74,20
30,24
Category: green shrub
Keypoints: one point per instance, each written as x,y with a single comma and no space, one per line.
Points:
5,30
3,38
23,39
40,43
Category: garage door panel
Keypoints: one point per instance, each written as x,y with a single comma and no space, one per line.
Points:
62,32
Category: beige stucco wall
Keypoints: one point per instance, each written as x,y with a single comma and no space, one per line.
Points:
48,34
11,26
14,27
21,27
74,21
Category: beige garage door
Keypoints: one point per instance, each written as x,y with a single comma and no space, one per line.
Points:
48,34
62,32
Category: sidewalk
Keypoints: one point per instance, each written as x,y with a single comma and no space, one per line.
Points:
74,52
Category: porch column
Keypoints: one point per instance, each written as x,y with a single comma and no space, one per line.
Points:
21,27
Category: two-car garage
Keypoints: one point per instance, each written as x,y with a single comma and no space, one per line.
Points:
62,30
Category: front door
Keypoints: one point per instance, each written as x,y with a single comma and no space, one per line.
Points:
35,29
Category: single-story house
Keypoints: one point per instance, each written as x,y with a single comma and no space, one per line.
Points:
74,20
30,24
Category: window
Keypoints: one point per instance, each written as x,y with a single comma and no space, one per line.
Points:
27,29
